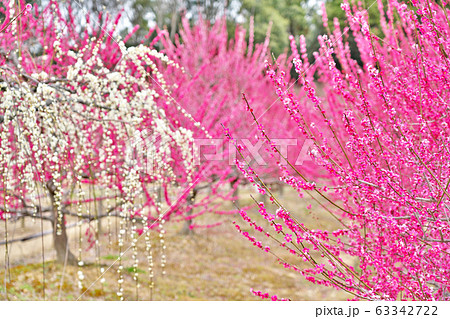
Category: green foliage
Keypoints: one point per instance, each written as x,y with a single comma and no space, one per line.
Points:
287,17
110,257
133,270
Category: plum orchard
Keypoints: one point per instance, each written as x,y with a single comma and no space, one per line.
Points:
92,130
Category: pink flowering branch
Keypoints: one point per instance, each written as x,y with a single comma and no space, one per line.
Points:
380,133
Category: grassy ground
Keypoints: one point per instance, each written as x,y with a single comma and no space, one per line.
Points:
211,264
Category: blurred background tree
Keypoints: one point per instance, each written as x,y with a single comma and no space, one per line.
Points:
288,17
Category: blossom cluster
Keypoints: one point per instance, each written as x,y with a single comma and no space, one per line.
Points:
381,154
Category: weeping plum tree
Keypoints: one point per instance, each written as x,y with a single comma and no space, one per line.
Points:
76,111
381,133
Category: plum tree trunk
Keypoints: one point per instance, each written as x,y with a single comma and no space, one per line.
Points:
60,239
186,230
61,243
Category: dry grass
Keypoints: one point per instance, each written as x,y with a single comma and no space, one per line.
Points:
211,264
